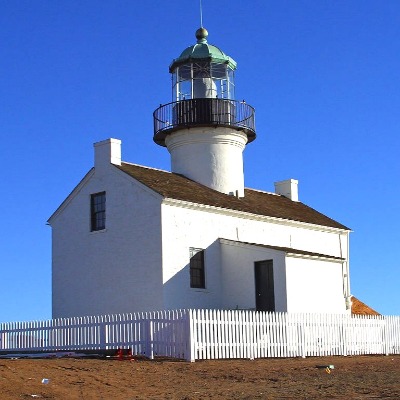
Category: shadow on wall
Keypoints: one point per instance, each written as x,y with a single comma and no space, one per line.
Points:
231,280
179,294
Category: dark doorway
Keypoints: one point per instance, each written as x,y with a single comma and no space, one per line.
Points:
264,277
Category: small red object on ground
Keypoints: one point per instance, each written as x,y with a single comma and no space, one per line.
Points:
120,354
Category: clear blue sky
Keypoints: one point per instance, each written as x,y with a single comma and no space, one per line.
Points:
324,77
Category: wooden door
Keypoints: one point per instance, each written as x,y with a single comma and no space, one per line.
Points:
264,285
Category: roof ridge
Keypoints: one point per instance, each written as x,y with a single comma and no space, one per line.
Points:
145,167
262,191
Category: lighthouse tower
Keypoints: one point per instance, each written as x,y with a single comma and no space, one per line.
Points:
204,128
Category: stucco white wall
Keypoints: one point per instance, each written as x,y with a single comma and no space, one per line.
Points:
111,271
238,278
185,226
314,285
212,157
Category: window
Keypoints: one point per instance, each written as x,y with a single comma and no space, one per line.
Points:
98,211
197,268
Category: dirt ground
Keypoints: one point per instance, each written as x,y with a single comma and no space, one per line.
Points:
362,377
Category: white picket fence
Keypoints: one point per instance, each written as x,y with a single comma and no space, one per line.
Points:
209,334
247,334
152,333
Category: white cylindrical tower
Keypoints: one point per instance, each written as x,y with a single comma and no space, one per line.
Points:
204,128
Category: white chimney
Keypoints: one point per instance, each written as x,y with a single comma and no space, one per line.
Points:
106,152
288,188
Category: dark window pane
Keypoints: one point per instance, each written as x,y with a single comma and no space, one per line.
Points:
98,211
197,276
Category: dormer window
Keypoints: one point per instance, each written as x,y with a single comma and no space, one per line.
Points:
98,211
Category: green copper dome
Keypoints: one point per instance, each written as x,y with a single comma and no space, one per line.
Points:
202,51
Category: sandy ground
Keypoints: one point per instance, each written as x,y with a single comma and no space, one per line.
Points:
362,377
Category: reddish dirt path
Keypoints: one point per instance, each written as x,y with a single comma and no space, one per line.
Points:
363,377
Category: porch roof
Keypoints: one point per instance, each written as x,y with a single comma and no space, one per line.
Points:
288,250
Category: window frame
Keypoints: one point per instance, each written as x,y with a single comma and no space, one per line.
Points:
197,270
98,216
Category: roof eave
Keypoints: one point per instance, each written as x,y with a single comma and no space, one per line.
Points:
178,62
246,214
72,194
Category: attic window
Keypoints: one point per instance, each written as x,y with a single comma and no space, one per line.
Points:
197,276
98,211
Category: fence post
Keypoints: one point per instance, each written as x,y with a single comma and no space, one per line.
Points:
149,341
385,336
299,319
300,336
344,321
190,342
102,334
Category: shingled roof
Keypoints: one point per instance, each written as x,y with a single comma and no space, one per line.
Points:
175,186
360,308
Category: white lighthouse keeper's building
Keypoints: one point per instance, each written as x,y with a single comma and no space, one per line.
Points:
132,238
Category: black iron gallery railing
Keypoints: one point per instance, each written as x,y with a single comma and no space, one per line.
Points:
203,112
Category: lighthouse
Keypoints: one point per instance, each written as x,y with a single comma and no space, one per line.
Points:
204,128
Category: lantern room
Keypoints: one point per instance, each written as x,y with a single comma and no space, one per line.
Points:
203,94
202,71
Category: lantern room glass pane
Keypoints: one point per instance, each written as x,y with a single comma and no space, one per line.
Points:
202,80
201,70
